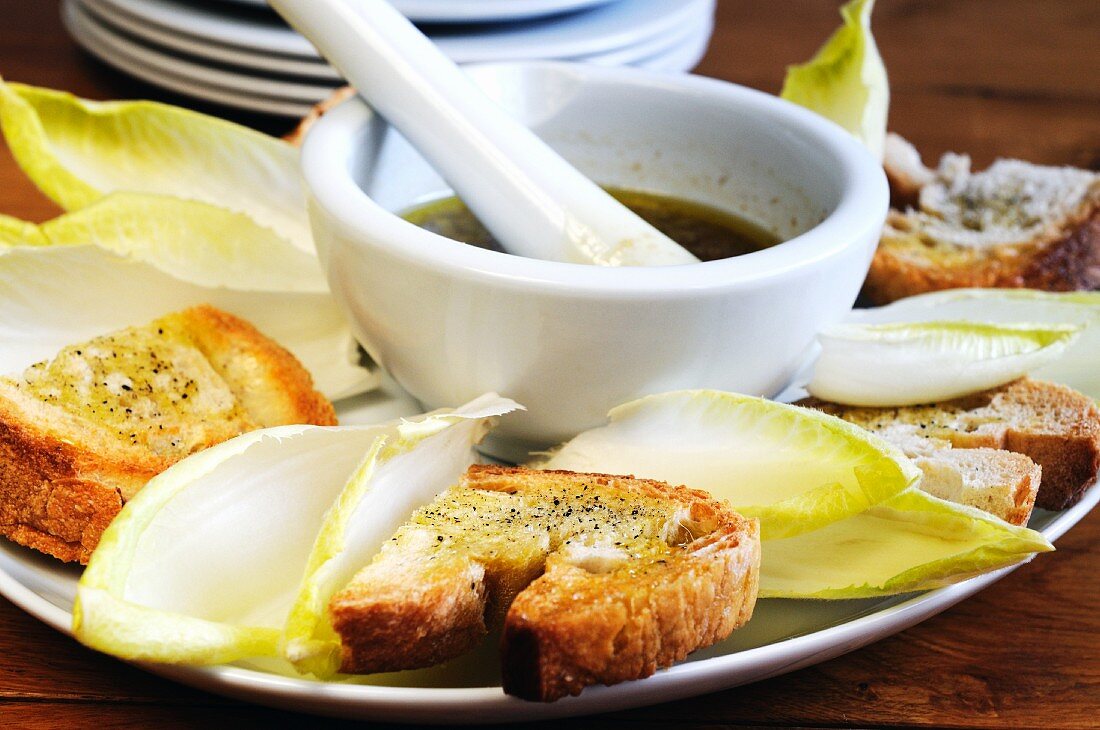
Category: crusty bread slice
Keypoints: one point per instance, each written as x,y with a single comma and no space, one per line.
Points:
1002,483
80,434
598,579
1012,225
1055,426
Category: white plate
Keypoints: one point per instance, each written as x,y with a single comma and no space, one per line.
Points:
117,49
782,636
684,56
599,30
157,38
661,43
488,11
172,82
679,50
475,11
684,51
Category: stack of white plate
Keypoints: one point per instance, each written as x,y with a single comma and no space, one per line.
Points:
240,54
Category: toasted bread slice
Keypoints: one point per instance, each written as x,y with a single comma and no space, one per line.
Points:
1002,483
80,434
1012,225
1055,426
598,579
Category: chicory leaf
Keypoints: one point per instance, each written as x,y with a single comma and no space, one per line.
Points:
911,542
77,151
203,565
846,81
905,364
1075,368
192,241
795,468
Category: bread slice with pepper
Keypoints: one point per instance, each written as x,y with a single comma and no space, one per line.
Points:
82,433
1053,425
597,579
1012,225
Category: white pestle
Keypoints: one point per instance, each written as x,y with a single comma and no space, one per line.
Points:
533,201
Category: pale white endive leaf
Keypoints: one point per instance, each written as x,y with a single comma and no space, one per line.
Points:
1076,367
54,296
77,151
905,364
204,564
796,469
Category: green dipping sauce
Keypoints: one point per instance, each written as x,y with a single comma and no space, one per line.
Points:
706,231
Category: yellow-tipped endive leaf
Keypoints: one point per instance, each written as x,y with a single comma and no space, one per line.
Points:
906,364
911,542
796,469
846,81
54,296
1077,367
192,241
203,565
390,483
16,232
77,151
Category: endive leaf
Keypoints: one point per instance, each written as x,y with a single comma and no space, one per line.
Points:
911,542
388,485
192,241
16,232
203,565
54,296
845,81
1075,368
76,151
911,363
794,468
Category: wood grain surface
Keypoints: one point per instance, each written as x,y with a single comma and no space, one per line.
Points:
993,78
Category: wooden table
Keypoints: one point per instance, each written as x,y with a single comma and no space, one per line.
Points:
992,77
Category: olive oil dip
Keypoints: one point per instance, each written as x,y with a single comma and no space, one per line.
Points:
708,232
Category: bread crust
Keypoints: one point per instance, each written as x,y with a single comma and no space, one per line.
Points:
59,492
1010,497
273,386
571,626
63,477
1065,260
1055,426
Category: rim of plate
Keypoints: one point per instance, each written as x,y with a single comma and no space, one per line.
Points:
480,11
600,29
181,85
200,48
111,41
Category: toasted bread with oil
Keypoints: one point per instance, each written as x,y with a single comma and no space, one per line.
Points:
597,579
1012,225
1055,426
82,433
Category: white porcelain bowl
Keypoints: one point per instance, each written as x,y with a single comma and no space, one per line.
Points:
451,321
